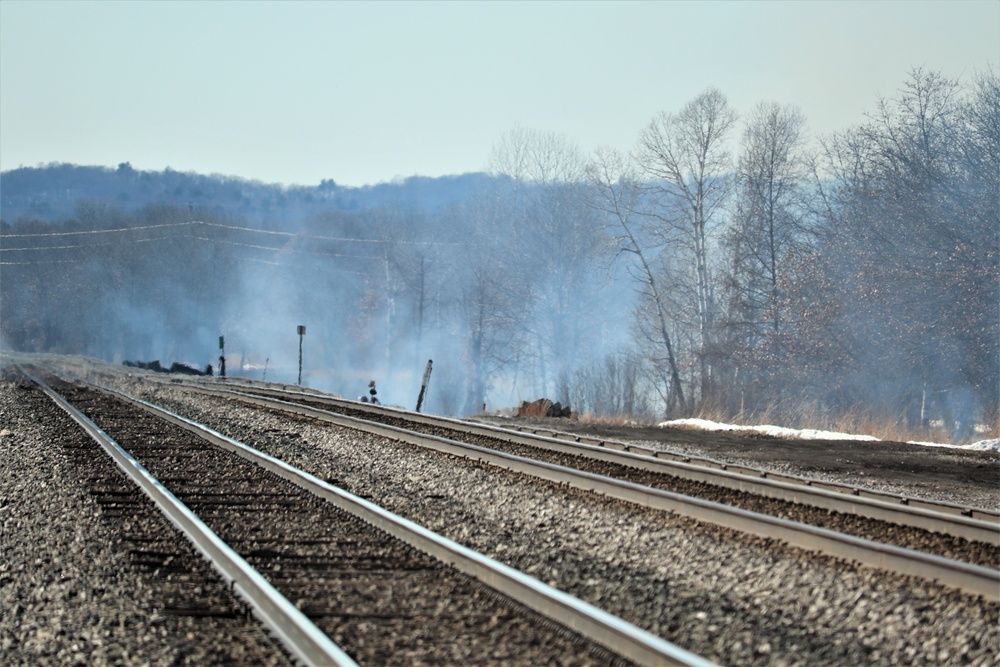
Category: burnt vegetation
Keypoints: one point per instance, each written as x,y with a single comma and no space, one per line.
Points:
858,273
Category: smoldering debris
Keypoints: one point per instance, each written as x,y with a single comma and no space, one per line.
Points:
543,407
176,367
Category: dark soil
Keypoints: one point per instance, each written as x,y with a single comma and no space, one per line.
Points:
930,468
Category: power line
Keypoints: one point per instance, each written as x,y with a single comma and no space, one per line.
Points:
93,245
95,231
243,229
341,239
236,243
44,261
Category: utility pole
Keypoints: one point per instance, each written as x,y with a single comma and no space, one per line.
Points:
302,332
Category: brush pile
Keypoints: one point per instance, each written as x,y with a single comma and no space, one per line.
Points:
543,407
175,367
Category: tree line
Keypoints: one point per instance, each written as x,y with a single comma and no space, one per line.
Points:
726,265
862,275
51,192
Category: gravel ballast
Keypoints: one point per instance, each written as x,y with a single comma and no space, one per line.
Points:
731,598
380,600
71,594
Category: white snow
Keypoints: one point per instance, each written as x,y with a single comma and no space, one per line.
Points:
981,446
812,434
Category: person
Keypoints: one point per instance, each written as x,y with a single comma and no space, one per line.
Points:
371,390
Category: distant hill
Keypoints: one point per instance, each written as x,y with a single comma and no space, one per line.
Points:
52,193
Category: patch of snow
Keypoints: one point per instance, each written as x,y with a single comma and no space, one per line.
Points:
702,424
809,434
986,445
812,434
767,429
981,446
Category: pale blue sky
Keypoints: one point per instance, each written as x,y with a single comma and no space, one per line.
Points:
367,92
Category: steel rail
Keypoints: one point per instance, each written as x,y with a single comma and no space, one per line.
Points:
940,506
973,579
926,515
306,642
597,625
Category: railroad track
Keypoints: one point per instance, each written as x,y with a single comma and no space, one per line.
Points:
415,596
904,538
728,596
906,510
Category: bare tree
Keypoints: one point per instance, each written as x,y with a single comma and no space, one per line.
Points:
768,220
614,190
772,169
687,164
553,241
613,386
533,156
908,269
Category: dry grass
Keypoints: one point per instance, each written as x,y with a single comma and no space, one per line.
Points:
617,420
991,430
813,416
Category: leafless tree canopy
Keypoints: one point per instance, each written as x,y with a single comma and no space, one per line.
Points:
723,265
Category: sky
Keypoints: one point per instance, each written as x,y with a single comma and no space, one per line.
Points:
370,92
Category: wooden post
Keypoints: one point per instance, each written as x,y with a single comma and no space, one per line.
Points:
423,385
